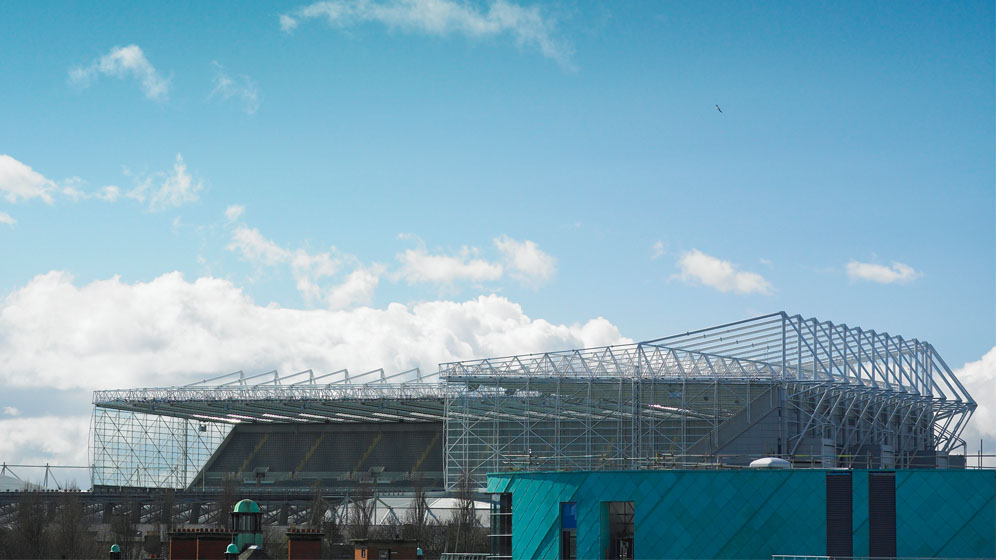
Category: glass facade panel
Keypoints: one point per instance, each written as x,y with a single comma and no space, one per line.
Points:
568,531
501,526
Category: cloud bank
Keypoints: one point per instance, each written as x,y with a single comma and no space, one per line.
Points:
57,334
979,378
59,440
170,331
528,27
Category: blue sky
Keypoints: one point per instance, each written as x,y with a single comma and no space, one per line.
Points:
515,175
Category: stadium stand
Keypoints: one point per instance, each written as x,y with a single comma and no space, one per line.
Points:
334,455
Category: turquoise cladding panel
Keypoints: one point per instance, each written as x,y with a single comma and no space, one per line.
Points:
946,513
859,513
678,514
747,514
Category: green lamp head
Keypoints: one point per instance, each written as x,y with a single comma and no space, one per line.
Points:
246,506
115,548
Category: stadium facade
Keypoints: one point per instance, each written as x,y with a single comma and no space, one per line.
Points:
816,393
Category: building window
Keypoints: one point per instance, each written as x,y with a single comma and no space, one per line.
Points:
568,531
621,544
501,526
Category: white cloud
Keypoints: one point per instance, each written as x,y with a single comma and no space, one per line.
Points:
358,288
287,23
419,266
522,260
19,182
58,440
308,269
112,334
699,268
979,378
657,250
121,62
69,189
527,26
110,193
55,334
234,212
257,249
11,411
529,265
176,189
241,88
897,273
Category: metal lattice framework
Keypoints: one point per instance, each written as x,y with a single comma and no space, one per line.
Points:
162,437
150,451
804,389
775,385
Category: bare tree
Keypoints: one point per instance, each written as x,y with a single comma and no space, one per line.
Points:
468,536
316,513
417,515
123,526
72,535
167,507
275,542
361,512
320,517
390,529
27,537
466,516
226,500
434,537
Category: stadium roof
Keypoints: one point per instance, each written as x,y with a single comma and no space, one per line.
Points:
776,347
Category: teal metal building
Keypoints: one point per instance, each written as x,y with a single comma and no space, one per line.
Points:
743,513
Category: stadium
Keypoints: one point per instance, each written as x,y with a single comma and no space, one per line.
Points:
620,451
809,391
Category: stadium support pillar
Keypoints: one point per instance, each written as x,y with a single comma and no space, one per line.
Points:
782,420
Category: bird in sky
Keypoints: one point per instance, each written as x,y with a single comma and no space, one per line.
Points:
718,109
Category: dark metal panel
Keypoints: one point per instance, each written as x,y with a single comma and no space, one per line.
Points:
839,514
882,514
